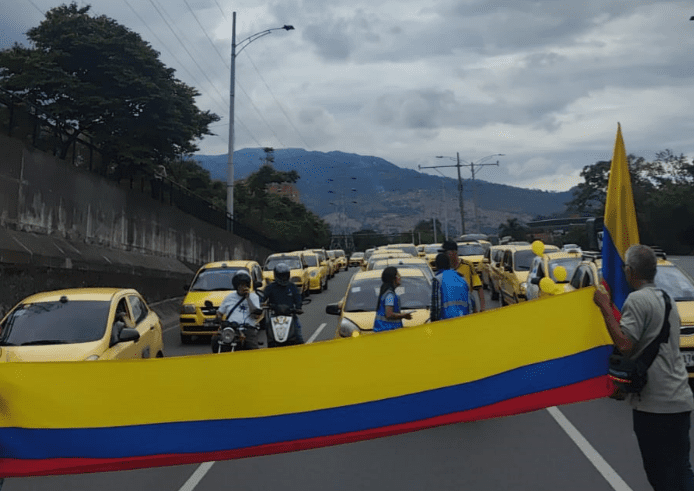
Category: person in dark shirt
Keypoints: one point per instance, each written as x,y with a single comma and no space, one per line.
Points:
284,292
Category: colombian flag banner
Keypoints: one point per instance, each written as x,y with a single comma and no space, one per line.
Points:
620,230
74,417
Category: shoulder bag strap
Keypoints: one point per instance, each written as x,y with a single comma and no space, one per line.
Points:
234,307
651,351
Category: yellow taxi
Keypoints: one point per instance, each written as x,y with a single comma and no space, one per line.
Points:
81,324
317,272
411,249
430,252
332,260
385,254
325,261
492,269
298,273
340,259
355,259
367,255
473,253
515,266
545,265
404,262
357,309
212,283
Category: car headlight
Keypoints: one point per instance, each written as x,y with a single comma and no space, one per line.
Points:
188,308
348,329
314,274
228,335
523,288
92,358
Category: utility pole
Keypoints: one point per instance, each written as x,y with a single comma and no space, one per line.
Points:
460,188
472,165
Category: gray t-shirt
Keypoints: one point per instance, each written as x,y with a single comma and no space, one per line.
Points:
667,390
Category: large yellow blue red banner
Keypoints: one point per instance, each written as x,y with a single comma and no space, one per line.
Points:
70,417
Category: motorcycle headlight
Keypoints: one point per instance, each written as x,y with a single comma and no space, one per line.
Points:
348,329
228,335
188,308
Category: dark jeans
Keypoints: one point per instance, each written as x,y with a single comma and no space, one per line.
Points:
664,444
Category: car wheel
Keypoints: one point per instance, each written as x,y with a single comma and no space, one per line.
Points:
186,339
160,354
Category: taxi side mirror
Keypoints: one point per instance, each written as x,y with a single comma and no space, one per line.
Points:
333,309
128,334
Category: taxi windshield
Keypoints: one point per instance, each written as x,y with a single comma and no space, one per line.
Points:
523,259
675,283
470,250
211,280
311,261
569,264
292,262
414,293
45,323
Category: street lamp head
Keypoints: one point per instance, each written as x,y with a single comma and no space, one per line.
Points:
288,28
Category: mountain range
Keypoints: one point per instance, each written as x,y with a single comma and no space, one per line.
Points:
355,192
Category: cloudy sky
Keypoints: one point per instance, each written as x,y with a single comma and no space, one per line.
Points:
543,82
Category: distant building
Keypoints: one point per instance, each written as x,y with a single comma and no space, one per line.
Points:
286,189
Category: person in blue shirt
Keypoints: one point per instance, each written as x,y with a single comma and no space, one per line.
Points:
388,315
450,294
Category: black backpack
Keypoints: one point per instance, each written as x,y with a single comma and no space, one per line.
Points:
631,375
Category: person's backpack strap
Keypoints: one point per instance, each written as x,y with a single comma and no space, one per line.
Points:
651,351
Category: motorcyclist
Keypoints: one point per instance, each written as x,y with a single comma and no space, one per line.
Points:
283,292
241,306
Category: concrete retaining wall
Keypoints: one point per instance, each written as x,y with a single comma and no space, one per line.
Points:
63,226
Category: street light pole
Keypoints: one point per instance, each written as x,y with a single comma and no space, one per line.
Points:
232,84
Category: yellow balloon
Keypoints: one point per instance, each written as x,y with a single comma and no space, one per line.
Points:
560,273
547,285
538,247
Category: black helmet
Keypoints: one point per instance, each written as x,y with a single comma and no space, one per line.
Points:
282,272
241,276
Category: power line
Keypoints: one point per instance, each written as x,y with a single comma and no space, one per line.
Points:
278,103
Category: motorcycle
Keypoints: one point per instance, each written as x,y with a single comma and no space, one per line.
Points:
281,325
231,337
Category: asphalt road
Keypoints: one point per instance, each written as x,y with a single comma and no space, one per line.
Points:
581,446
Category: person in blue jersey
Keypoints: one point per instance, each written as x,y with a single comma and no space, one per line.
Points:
388,315
450,293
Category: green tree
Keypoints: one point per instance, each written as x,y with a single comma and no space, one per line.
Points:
275,216
96,77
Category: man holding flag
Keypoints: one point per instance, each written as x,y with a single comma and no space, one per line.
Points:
661,411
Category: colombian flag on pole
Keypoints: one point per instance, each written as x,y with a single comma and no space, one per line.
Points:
92,416
620,230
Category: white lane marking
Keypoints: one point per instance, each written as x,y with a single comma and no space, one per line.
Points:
197,476
315,334
203,468
595,458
